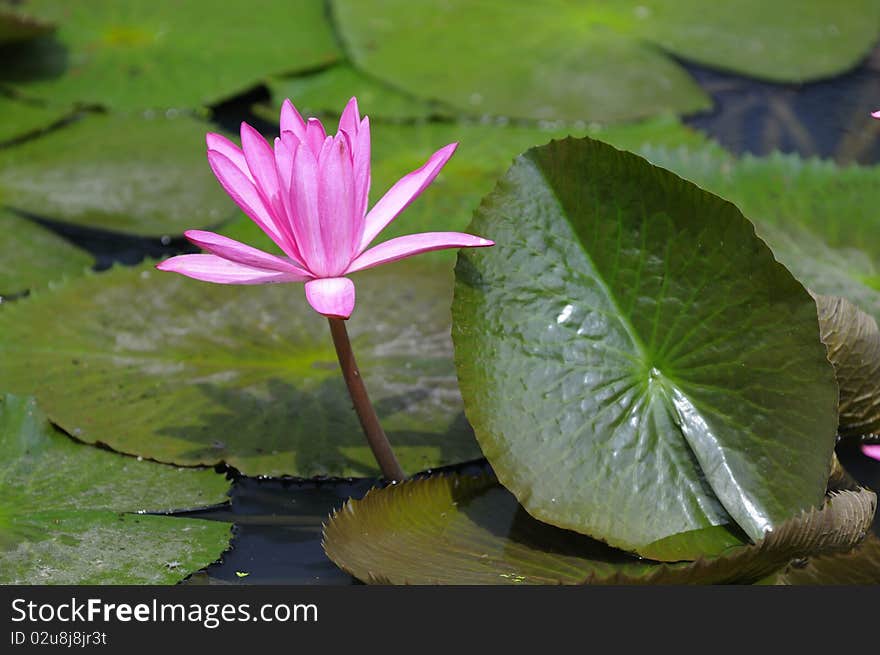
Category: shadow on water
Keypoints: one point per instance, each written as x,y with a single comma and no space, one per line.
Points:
278,528
109,248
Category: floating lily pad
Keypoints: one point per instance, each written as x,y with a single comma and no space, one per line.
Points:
16,26
31,256
135,54
158,365
73,514
818,217
597,60
484,153
853,342
463,530
634,361
328,91
130,174
19,119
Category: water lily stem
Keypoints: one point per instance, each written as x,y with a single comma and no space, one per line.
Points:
366,414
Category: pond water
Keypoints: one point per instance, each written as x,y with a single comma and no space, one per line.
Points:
278,522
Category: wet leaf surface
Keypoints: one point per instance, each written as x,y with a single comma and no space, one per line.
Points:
126,173
71,513
31,256
197,373
607,61
450,529
139,54
634,362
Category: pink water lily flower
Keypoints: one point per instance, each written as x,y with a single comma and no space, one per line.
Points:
309,195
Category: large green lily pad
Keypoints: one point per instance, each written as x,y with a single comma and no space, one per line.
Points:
853,342
484,153
125,173
600,59
634,361
158,365
135,54
464,530
819,218
73,514
31,256
20,119
328,91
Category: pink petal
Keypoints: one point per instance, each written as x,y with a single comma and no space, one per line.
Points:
227,148
244,193
241,253
872,450
261,162
415,244
361,163
315,136
211,268
291,121
402,193
285,148
336,205
331,296
304,201
350,119
876,114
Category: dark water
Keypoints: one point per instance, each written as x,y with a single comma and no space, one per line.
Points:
278,522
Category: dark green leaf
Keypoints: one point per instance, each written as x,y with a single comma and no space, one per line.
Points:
633,360
73,514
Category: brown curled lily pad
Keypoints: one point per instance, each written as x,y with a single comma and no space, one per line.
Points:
451,529
853,342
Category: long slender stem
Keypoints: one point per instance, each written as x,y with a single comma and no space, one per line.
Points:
366,414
